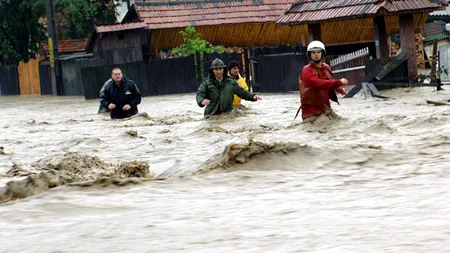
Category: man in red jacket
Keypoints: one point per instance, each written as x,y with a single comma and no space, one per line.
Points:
316,83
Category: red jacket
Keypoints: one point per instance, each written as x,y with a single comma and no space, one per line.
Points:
317,87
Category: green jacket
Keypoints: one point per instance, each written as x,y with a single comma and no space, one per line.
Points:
221,94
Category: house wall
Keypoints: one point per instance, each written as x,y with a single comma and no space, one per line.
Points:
428,48
121,47
122,39
270,34
242,35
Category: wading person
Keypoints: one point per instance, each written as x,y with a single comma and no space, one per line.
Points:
217,91
317,85
233,72
121,96
102,109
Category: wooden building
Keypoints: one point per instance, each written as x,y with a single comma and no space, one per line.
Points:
341,21
119,43
244,23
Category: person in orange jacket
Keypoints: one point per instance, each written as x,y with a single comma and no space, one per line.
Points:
233,71
316,83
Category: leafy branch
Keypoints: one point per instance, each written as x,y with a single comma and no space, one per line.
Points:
193,43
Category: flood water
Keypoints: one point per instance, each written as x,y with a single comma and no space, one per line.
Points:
377,180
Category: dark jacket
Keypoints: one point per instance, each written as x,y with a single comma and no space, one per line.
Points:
125,93
221,94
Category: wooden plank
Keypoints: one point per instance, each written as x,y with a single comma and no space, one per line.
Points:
29,80
388,85
392,64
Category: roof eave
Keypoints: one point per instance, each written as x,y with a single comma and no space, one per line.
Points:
428,10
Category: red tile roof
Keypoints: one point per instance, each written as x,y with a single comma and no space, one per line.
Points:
204,13
69,46
120,27
308,11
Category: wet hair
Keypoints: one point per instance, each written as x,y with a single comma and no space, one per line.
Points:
115,69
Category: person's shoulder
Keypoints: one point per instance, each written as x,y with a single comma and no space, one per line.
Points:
240,78
108,85
307,68
327,67
207,80
230,79
126,80
129,82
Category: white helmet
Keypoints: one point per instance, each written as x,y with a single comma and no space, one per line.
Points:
316,45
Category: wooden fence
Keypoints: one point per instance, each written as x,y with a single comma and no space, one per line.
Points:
29,77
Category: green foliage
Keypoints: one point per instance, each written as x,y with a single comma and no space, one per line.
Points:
76,18
21,32
193,43
433,77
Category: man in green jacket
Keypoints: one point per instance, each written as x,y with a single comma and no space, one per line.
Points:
216,92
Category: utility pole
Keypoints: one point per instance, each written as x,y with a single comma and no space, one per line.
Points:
52,44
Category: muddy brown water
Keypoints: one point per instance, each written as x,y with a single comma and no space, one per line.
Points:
377,180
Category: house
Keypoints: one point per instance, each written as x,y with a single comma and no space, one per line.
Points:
245,23
68,46
119,43
369,20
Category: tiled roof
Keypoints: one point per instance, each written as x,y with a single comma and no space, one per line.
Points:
69,46
306,11
120,27
204,13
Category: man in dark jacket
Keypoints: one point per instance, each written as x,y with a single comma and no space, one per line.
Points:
216,92
121,96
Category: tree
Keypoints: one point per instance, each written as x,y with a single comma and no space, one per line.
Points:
22,24
20,30
193,43
76,18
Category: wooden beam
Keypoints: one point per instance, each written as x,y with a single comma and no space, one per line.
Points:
381,42
389,85
408,43
434,63
314,32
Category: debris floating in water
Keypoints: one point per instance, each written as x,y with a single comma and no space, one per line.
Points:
132,133
71,169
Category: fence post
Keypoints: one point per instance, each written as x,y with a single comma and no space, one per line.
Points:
246,63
